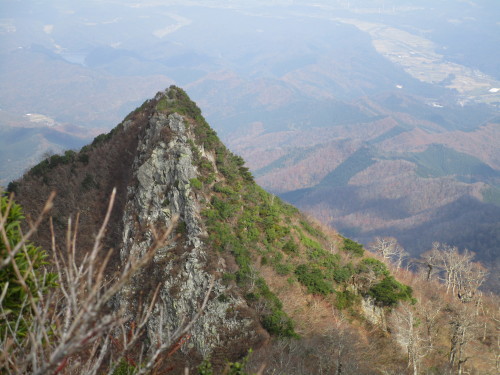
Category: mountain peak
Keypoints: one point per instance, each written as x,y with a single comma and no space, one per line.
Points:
267,272
165,162
167,181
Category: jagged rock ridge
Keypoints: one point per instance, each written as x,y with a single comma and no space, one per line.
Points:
162,171
275,274
165,161
151,158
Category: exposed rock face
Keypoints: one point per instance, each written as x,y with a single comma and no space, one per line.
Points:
160,189
373,313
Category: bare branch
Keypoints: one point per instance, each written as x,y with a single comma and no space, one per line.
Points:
71,329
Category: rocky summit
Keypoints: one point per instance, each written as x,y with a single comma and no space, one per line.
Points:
249,271
157,161
163,172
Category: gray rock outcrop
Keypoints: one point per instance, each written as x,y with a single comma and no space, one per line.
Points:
182,269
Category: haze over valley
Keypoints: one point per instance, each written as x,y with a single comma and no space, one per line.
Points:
376,117
249,187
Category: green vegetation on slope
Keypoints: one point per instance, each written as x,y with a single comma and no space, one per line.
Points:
492,195
291,158
239,215
357,162
438,161
389,292
251,224
27,261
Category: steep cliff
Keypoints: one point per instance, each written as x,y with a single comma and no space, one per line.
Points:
267,264
163,170
306,299
164,161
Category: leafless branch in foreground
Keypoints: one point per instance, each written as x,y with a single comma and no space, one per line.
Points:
71,329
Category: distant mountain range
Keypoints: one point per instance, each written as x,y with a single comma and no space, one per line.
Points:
378,117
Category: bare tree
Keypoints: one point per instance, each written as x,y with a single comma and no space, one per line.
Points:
471,276
463,327
461,276
340,343
71,329
429,312
390,249
452,263
431,261
335,351
496,320
411,334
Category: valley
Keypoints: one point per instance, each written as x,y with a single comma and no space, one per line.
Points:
197,269
418,57
378,118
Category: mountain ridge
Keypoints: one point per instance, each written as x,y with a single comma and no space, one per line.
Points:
279,279
416,165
